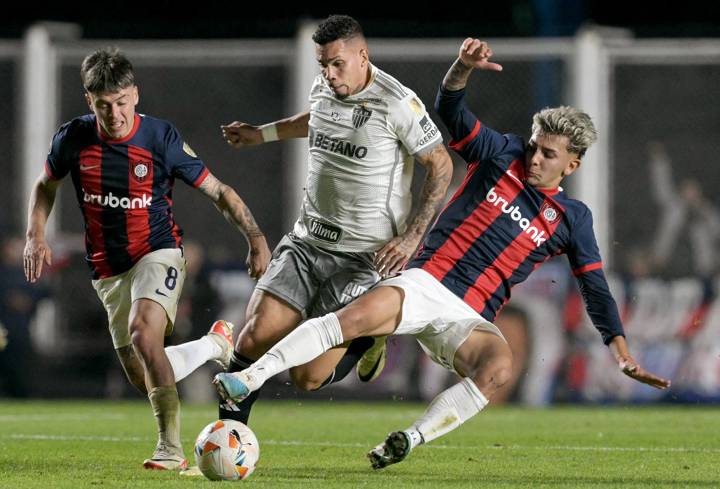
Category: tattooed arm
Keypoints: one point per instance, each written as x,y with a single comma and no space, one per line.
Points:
390,259
473,54
232,207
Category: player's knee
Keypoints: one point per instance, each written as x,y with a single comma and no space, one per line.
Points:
494,371
142,337
501,371
353,322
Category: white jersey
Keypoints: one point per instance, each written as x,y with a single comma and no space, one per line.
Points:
357,195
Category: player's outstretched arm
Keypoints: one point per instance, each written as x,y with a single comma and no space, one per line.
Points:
232,207
238,134
631,368
390,259
37,251
473,54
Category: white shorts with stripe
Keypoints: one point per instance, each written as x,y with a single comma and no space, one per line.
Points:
439,320
158,276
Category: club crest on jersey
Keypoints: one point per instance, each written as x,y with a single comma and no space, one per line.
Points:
416,106
360,116
140,170
549,213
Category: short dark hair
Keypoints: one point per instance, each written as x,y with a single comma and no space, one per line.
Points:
337,27
106,70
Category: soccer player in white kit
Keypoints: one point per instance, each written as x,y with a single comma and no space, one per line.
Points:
365,130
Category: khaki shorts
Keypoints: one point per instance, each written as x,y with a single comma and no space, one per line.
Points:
316,281
438,319
158,276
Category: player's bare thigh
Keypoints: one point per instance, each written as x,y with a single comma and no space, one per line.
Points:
268,319
376,313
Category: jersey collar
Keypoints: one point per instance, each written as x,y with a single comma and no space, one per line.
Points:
103,137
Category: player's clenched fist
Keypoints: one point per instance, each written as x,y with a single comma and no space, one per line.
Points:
239,134
476,54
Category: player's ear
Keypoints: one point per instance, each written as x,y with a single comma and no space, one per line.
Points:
364,56
572,166
88,99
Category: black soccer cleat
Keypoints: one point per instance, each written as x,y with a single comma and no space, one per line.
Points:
394,449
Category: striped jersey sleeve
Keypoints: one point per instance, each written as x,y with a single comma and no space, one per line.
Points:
58,163
470,138
584,257
181,160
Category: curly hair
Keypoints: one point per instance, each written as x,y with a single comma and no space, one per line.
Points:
337,27
106,70
566,121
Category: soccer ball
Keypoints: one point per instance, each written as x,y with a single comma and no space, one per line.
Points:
226,450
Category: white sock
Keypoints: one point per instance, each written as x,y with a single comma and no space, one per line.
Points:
309,340
451,408
187,357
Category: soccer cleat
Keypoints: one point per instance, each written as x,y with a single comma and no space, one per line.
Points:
232,386
221,333
166,458
372,362
393,450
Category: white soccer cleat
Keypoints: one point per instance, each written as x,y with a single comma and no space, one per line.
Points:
221,333
166,458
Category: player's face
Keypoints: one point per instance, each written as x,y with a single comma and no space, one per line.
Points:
548,160
115,111
344,65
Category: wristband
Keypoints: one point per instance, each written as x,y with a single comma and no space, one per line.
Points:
269,133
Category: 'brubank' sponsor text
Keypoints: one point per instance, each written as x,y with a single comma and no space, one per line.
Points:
113,201
513,211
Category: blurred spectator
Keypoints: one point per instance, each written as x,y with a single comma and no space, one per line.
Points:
688,233
18,301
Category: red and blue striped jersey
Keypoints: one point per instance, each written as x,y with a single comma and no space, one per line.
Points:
124,187
497,228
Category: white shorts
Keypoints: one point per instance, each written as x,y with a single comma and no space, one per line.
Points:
438,319
158,276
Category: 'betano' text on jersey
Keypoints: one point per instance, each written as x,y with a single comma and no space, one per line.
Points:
124,187
360,164
497,228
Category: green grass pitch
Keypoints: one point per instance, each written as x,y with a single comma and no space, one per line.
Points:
101,444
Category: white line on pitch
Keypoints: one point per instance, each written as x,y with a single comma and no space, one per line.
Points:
19,436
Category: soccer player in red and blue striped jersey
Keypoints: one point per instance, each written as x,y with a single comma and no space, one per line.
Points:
123,166
508,217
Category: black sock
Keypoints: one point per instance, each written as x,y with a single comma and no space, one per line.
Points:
241,411
352,356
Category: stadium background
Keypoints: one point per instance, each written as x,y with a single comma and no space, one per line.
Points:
661,73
